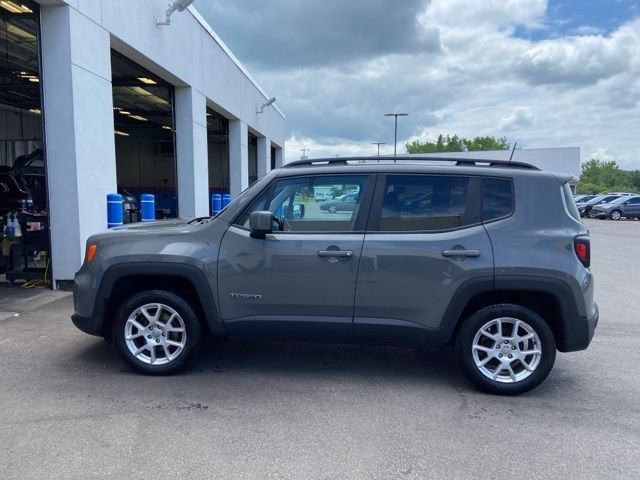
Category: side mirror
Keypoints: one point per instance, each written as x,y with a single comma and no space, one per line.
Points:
298,211
260,223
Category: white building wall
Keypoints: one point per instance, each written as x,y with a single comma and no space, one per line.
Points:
78,119
77,36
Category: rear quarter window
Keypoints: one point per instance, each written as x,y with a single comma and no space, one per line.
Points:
569,202
497,198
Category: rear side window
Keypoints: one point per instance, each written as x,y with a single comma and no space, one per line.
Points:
569,202
497,198
425,203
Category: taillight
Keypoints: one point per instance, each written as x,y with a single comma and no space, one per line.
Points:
582,247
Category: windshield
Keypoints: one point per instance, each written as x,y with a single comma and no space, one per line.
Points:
620,200
597,199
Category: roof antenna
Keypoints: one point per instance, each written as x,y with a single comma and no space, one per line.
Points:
513,151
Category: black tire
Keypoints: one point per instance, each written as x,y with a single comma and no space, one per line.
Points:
591,214
615,213
186,313
471,326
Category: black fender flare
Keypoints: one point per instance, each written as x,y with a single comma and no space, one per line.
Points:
557,288
190,273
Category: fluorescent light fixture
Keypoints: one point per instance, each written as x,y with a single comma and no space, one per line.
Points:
34,79
122,134
19,32
14,7
148,81
37,111
124,112
148,95
167,127
138,117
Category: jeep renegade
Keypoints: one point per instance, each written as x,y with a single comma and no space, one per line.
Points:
489,257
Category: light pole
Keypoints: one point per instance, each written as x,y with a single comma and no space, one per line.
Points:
395,136
378,144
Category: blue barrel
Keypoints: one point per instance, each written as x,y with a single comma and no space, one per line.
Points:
216,203
147,207
226,199
115,212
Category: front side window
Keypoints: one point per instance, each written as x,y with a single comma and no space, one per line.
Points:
425,203
634,201
312,204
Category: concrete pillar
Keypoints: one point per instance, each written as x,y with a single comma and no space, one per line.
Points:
279,157
264,156
238,157
78,119
191,153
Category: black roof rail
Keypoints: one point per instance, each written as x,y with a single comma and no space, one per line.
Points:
412,158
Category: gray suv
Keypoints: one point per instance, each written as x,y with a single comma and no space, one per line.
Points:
488,257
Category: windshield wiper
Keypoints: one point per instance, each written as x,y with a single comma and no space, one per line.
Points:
199,220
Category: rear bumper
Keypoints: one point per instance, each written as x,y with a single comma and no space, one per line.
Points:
579,331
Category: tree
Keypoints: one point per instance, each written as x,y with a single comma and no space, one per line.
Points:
598,176
458,144
487,143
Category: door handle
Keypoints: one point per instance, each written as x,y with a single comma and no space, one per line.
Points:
335,253
460,253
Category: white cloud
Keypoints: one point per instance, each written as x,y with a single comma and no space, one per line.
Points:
520,118
581,59
578,90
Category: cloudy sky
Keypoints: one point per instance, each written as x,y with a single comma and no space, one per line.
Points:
540,72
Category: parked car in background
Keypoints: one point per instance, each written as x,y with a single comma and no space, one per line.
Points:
343,203
13,193
625,206
582,198
628,194
321,197
585,208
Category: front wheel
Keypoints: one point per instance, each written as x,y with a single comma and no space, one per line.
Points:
505,349
615,215
591,214
156,332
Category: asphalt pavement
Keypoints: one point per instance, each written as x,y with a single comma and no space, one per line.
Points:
69,408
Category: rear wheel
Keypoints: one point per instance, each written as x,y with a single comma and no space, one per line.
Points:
333,209
591,214
156,332
615,215
505,349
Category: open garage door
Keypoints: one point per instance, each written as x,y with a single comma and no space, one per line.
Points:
144,137
218,152
25,244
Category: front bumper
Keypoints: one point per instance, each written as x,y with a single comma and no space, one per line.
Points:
599,213
87,305
90,325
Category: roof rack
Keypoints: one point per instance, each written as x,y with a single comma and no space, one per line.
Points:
473,162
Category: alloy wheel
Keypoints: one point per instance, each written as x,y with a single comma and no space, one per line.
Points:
155,334
615,215
506,350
